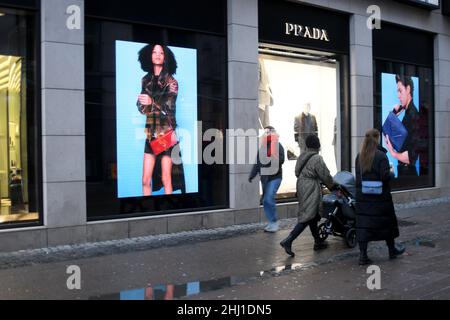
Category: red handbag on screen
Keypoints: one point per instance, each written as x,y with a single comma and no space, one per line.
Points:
164,142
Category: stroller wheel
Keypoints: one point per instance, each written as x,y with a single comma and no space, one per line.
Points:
323,232
350,238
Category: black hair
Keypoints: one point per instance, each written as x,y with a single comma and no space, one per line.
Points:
145,58
406,81
313,142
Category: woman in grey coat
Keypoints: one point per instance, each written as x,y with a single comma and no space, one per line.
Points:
310,170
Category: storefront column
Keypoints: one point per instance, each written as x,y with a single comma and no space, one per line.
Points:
361,79
243,96
442,112
63,132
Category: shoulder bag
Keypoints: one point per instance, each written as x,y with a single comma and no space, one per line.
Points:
165,141
371,187
305,163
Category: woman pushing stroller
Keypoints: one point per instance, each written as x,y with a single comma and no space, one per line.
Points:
310,170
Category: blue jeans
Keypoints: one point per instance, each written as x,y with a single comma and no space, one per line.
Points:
270,190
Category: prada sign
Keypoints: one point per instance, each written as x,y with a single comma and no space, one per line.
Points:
293,24
298,30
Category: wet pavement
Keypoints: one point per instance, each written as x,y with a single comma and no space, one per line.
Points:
238,263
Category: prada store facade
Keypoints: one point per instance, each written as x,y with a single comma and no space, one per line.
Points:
83,108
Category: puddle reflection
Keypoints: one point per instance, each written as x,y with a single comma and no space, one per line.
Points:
172,292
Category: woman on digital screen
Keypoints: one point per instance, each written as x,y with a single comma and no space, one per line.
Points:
157,102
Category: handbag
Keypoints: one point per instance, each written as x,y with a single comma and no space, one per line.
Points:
371,187
164,142
396,131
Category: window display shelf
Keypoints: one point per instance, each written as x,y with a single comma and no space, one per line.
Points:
5,207
6,203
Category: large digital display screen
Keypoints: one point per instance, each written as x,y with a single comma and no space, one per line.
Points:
401,123
156,98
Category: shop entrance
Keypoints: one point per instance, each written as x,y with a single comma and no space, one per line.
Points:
299,95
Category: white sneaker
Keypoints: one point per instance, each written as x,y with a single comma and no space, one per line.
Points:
273,227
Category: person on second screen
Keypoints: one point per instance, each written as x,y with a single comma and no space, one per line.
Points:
157,102
271,180
408,155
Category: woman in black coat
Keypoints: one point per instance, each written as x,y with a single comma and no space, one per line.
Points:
375,214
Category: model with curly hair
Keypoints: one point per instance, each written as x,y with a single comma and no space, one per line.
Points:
157,102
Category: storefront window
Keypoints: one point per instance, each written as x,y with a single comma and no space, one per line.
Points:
299,96
133,168
18,118
404,103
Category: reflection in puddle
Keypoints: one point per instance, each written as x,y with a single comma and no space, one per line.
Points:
425,243
171,292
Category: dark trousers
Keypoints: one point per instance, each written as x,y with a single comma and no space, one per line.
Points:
300,227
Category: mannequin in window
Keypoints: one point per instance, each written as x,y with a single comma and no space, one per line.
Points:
265,96
16,192
305,125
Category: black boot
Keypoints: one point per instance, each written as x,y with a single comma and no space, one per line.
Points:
287,245
394,251
363,258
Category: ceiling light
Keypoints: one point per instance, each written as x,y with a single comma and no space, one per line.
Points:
2,14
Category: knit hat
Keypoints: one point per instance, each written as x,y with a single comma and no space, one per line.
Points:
313,142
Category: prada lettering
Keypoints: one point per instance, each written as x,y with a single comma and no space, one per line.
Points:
307,32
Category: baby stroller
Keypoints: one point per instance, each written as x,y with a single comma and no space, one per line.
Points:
339,210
